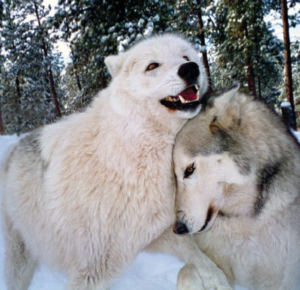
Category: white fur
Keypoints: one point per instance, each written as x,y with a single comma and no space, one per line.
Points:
101,188
206,188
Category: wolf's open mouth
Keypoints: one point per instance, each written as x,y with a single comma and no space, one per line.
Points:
209,216
187,99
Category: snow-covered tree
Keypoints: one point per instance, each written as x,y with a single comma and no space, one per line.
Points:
30,70
245,49
235,41
287,58
95,29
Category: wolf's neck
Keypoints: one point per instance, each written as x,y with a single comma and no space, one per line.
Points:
283,190
136,119
135,133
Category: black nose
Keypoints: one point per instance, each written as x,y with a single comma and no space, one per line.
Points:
189,72
180,229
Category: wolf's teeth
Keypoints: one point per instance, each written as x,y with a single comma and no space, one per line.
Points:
198,95
182,100
171,99
197,87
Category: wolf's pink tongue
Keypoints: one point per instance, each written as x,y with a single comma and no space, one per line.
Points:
189,95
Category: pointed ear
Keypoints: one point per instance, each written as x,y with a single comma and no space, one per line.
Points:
228,119
114,64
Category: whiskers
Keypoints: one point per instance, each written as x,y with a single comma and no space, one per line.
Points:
173,86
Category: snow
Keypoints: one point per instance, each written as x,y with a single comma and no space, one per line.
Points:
156,18
148,31
148,272
285,104
104,38
141,22
297,134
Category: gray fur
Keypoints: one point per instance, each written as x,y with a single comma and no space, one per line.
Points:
8,160
31,145
265,178
205,143
247,167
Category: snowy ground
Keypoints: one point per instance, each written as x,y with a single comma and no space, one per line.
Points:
148,272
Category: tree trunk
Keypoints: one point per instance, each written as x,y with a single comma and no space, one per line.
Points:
54,93
287,59
73,54
287,115
75,69
257,61
250,74
1,121
49,70
259,87
122,11
250,77
202,40
19,103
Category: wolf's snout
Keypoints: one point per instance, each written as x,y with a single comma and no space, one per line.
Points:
180,229
189,72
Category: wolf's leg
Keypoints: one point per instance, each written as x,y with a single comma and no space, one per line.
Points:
189,278
186,249
19,264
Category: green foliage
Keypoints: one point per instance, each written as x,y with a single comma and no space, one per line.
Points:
242,39
24,83
295,58
295,55
95,29
240,44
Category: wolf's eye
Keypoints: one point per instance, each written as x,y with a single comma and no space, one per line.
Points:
189,170
152,66
186,58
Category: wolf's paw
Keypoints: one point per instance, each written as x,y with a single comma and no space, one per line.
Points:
214,279
189,278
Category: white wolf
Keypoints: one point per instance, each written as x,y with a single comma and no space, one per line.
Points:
86,194
238,176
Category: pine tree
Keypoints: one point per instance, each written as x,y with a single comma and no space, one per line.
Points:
38,10
287,58
25,81
1,68
241,44
295,58
245,47
99,28
282,8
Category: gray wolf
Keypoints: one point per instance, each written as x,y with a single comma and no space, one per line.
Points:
238,177
85,195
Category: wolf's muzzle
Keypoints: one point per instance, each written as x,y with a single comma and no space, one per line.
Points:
180,229
189,72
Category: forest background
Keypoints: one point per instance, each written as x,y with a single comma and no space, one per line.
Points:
236,38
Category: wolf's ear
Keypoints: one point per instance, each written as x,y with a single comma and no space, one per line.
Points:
114,64
228,119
